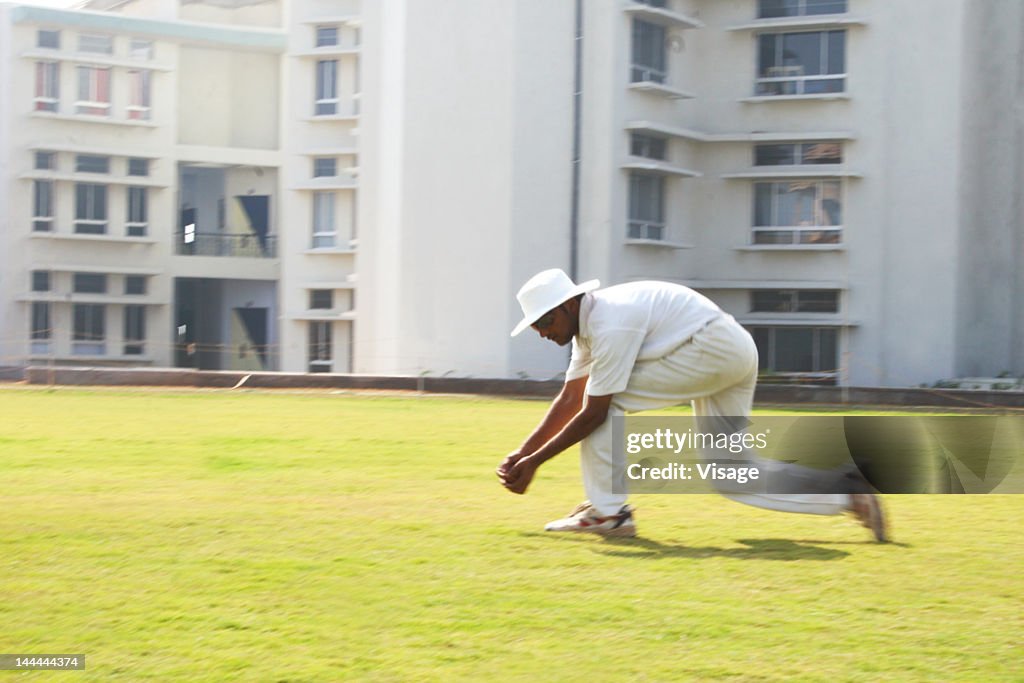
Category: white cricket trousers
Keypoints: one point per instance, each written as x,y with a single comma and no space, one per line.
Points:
716,370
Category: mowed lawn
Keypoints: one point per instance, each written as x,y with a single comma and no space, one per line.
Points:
254,536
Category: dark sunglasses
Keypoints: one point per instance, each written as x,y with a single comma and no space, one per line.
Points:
546,320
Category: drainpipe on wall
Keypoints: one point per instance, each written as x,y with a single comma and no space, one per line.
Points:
577,104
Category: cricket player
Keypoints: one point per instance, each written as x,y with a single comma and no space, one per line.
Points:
642,346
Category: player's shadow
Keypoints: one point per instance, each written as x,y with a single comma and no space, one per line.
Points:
777,549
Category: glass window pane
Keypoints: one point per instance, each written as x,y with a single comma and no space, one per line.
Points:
802,53
767,9
828,349
821,153
762,204
762,338
774,155
794,349
836,52
771,301
767,53
326,36
825,6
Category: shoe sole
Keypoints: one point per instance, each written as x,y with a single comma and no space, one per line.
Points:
620,532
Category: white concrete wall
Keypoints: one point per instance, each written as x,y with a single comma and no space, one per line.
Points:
467,168
220,91
10,340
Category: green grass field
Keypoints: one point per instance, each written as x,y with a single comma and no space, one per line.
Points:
253,536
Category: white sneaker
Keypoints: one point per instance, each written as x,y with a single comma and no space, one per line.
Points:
585,518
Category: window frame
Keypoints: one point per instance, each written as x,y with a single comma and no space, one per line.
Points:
40,327
323,28
326,100
42,199
96,204
47,92
320,347
42,281
94,84
324,217
796,83
134,329
796,301
89,283
768,360
802,6
331,165
800,153
140,95
137,211
640,226
136,285
50,32
641,68
90,337
649,146
801,235
319,297
96,43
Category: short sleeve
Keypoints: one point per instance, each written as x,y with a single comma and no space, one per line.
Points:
613,356
579,362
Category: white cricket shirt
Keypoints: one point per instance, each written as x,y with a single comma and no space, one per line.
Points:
636,321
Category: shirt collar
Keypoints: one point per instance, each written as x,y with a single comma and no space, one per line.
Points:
586,304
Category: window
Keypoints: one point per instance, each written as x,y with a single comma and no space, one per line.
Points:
769,9
139,167
47,86
794,301
797,349
138,212
797,212
326,36
648,146
798,154
646,206
320,356
135,284
804,63
324,233
650,62
663,4
93,91
321,299
140,49
40,281
46,161
41,330
139,89
325,167
99,44
326,87
89,283
92,164
89,334
90,209
48,39
134,330
42,203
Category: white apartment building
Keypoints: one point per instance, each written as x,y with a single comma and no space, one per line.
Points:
211,184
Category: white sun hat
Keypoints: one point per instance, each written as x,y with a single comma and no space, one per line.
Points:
545,291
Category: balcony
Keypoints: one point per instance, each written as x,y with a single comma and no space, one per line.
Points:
238,245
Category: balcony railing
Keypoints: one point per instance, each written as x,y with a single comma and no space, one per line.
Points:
244,245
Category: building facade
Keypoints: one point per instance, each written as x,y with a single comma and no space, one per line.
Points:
349,186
